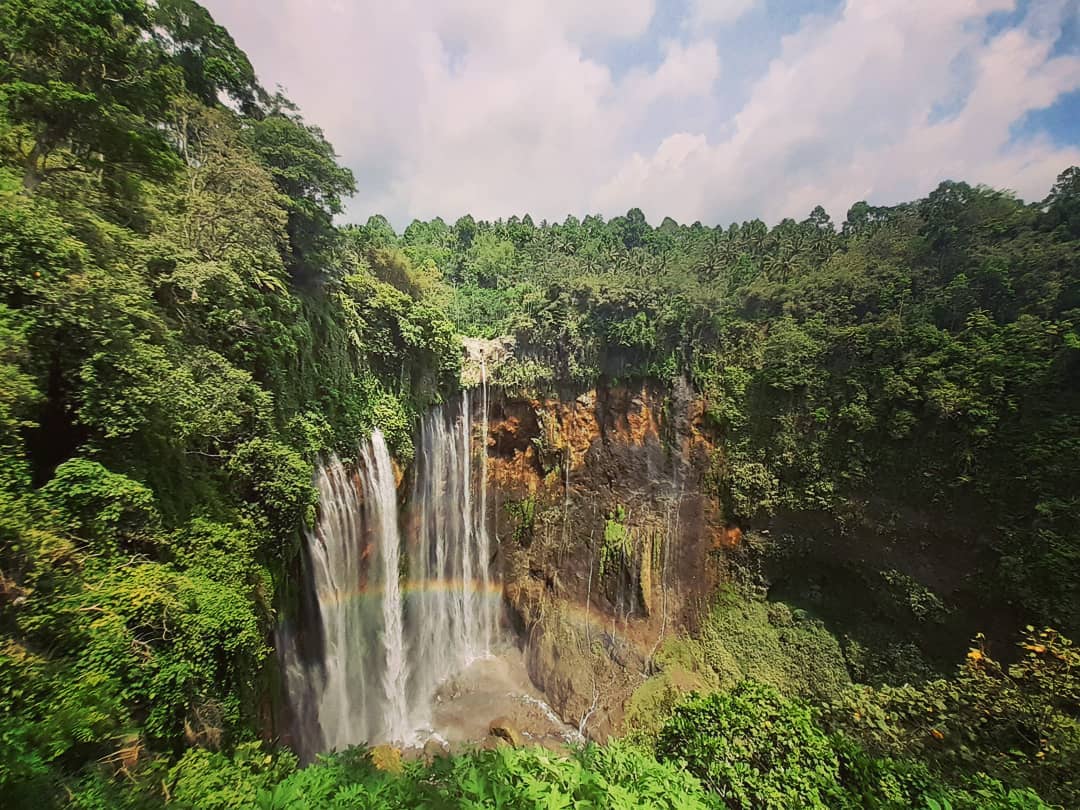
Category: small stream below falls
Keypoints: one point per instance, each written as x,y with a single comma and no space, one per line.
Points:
399,638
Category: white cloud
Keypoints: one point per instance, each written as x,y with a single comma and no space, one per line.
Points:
847,112
687,71
486,107
496,108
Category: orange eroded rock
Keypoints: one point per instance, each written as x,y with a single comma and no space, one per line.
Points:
641,420
580,427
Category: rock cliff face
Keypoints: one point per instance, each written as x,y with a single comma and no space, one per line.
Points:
612,538
608,538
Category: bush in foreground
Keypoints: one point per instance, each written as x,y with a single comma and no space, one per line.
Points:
754,749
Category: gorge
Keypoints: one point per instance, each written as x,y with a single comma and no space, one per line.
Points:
574,542
576,530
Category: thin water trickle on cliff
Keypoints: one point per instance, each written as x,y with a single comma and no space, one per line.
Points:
398,606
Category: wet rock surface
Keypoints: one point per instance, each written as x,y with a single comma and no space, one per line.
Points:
502,728
494,693
608,539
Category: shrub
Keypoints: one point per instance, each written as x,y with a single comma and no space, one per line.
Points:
276,479
523,515
615,777
754,749
683,670
212,781
1019,723
748,638
899,784
104,507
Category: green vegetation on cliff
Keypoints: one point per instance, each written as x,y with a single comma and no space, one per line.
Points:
925,356
183,330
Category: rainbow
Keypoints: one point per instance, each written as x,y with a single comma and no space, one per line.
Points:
444,586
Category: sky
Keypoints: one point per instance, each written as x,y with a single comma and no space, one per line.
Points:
715,111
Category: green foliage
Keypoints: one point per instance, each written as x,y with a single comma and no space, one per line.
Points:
789,356
487,313
913,597
207,780
754,749
896,784
614,776
741,638
225,230
166,385
224,553
523,375
772,644
1018,723
683,670
304,166
186,649
83,87
617,543
70,709
107,509
36,249
207,54
523,513
276,479
18,396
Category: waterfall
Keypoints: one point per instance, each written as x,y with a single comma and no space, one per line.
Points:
455,605
380,486
363,662
488,614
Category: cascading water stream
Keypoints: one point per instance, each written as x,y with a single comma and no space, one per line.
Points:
376,458
364,661
456,611
352,554
483,537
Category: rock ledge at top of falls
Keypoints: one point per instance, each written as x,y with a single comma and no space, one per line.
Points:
480,352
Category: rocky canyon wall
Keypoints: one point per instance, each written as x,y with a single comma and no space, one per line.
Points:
608,539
